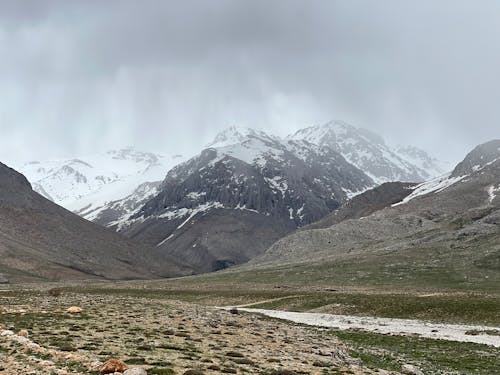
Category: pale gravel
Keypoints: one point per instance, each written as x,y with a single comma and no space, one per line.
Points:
405,327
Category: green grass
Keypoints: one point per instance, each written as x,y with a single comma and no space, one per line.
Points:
432,356
393,274
465,268
226,295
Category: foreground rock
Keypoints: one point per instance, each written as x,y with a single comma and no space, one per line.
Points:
74,310
411,370
112,366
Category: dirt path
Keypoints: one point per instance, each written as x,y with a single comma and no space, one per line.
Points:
452,332
268,301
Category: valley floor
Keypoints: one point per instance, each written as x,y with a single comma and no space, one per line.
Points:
175,327
163,336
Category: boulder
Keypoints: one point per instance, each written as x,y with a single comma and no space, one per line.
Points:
411,370
113,365
74,310
23,333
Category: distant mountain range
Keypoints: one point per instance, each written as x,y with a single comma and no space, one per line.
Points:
308,202
84,184
239,195
369,152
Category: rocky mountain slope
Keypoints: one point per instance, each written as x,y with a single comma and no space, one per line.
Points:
367,203
447,228
42,241
234,199
369,152
85,184
210,208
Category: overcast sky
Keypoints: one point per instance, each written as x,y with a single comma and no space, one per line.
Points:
79,77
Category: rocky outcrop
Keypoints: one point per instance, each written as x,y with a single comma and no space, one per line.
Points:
479,157
366,203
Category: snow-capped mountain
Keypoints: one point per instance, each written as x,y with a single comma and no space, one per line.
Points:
87,183
433,167
289,171
235,135
369,152
236,197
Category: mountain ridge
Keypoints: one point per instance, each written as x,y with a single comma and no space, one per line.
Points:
446,230
263,182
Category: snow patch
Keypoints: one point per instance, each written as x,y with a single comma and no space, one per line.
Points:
165,240
300,212
244,208
195,195
433,186
201,208
277,183
492,190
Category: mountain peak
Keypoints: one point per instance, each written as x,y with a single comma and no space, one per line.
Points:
129,153
366,150
234,135
336,131
479,157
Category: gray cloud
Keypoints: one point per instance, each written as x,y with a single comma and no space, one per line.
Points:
80,77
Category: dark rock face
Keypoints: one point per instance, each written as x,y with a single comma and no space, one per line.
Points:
317,185
262,186
40,240
216,239
478,158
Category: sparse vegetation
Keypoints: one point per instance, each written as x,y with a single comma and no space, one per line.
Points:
432,356
125,325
